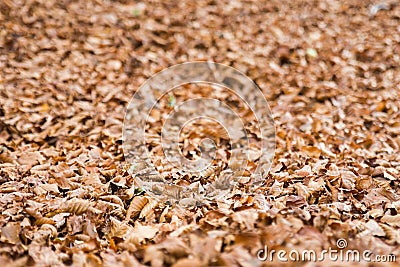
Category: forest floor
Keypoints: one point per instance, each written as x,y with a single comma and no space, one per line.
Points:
330,71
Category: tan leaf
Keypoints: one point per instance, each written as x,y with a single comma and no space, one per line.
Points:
140,233
10,233
246,218
303,172
348,179
311,151
31,158
374,228
391,220
136,206
118,228
295,202
148,210
79,206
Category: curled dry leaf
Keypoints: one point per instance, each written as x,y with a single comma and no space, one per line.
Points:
383,184
31,158
118,228
184,229
276,189
302,190
44,220
51,228
119,212
164,214
44,256
187,202
21,262
130,192
364,183
208,172
51,188
82,237
79,206
113,199
148,210
136,206
312,151
374,213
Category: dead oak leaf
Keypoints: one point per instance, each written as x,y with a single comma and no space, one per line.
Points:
303,172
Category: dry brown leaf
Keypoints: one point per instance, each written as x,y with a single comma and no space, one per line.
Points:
79,207
44,220
184,229
148,210
391,220
10,233
136,206
118,228
312,151
140,233
66,79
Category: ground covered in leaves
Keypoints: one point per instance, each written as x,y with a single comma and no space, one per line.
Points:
331,73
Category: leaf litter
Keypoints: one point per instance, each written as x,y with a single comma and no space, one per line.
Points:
330,70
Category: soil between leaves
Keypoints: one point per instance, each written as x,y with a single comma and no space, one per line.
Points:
330,70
